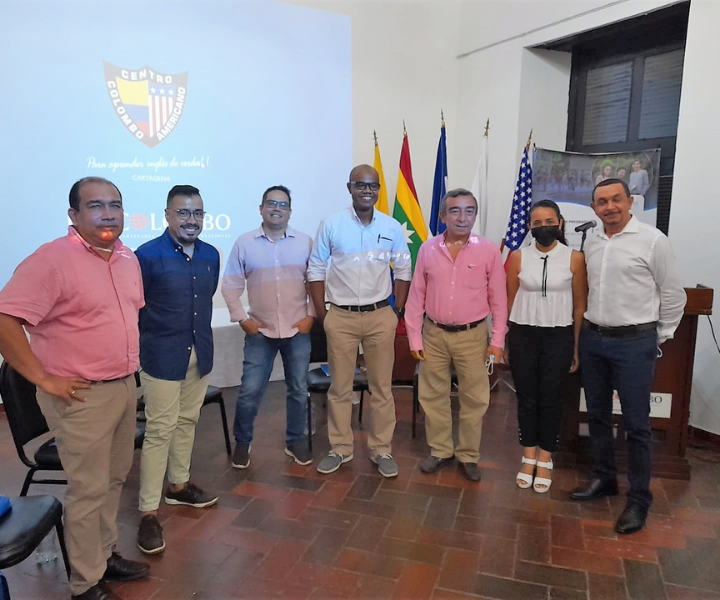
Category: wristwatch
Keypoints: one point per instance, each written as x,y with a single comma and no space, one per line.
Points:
400,312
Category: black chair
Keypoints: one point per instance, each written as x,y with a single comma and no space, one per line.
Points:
28,423
213,395
318,381
24,526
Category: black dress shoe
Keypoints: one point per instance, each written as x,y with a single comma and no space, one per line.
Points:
96,592
632,519
434,463
123,569
471,471
597,488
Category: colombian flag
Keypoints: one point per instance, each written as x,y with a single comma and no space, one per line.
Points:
134,95
407,209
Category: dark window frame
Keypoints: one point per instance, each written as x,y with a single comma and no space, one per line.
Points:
634,39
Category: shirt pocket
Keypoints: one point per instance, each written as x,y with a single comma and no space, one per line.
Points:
474,277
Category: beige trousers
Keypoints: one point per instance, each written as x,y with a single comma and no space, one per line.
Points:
345,331
465,351
172,409
95,441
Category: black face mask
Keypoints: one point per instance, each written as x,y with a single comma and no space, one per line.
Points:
546,234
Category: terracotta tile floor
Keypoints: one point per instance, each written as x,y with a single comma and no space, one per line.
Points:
284,531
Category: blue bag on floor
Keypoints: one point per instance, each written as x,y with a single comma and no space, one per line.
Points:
4,590
5,505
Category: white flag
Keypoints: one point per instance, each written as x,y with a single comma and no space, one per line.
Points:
480,188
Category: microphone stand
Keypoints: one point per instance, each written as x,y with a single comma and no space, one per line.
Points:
582,242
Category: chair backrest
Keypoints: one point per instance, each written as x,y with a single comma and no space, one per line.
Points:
24,416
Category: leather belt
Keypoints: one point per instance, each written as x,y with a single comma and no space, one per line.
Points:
622,331
365,307
456,328
110,380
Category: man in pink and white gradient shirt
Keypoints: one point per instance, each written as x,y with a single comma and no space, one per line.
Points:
270,262
458,282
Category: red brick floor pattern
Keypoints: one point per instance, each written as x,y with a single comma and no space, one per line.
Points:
284,531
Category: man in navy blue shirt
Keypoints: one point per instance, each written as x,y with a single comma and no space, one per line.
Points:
180,275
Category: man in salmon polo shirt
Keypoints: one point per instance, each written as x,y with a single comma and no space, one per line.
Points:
79,297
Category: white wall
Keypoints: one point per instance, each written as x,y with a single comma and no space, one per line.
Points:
695,215
404,67
517,88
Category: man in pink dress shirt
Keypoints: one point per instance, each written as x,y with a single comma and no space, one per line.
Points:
458,282
79,297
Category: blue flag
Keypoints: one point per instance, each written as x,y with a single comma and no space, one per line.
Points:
441,173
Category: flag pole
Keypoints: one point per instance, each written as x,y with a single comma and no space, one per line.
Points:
487,128
375,137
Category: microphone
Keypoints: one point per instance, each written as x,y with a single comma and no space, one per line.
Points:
585,226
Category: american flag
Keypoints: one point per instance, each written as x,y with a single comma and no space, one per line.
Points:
522,199
161,100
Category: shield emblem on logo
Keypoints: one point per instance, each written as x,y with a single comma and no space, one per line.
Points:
148,103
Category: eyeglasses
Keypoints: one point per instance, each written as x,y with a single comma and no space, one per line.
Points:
276,204
184,213
363,185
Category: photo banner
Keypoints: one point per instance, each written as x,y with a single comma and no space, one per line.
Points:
568,178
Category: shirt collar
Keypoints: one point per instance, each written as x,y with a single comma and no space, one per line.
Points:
632,226
74,234
354,216
170,238
289,232
473,239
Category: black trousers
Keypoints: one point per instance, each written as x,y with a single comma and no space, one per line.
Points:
628,366
540,360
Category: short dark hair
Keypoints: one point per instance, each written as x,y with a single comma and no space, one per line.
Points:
552,205
611,181
182,190
75,189
277,188
457,192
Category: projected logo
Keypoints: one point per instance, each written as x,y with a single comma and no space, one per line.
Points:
148,103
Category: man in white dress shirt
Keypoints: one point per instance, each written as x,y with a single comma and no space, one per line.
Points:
634,305
350,263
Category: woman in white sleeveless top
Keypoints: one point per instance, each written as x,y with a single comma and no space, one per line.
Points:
547,296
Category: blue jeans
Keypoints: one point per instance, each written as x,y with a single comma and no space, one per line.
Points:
260,352
627,365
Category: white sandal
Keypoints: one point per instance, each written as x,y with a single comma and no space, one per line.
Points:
527,480
543,480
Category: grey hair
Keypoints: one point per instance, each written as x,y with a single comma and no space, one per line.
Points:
455,194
